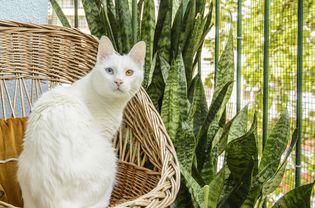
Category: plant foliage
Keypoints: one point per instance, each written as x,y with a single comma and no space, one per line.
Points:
200,134
62,17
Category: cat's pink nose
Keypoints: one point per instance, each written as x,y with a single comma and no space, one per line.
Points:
118,82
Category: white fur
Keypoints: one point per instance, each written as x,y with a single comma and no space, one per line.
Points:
68,160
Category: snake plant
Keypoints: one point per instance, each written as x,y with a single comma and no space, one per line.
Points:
174,38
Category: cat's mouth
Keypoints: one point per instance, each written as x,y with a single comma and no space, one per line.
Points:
119,90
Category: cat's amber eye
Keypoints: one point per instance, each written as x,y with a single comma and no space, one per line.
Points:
109,70
129,72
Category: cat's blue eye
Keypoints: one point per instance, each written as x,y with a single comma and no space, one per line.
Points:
109,70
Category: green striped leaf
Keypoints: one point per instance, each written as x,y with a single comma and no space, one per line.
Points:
123,17
200,6
147,35
162,46
197,59
134,22
192,44
225,70
192,87
276,143
115,27
196,192
208,23
215,188
165,9
212,123
299,197
263,175
220,139
170,111
222,120
276,179
242,160
199,107
165,68
61,16
157,86
164,40
175,6
239,125
185,4
185,145
292,144
189,18
216,110
235,128
175,98
209,169
183,198
139,17
176,30
111,6
240,152
237,191
93,18
269,169
147,80
257,185
184,103
217,107
206,196
107,24
203,140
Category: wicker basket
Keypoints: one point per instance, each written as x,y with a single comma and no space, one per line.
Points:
36,57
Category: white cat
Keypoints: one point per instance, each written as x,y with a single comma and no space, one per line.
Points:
68,160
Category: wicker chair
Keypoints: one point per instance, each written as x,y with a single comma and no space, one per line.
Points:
37,57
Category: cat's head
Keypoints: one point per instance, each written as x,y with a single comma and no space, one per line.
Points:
115,75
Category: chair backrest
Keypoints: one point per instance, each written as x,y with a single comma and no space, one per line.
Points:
34,58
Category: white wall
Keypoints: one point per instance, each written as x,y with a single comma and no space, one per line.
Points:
32,11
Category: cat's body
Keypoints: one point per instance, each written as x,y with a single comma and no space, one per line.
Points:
68,160
64,155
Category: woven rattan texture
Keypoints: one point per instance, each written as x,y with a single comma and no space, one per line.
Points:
35,57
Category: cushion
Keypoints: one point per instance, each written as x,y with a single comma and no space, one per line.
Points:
11,137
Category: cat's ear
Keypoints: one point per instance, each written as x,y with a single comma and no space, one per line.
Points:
105,48
137,53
